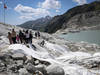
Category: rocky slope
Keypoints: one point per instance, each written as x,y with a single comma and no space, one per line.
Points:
77,17
5,28
56,57
38,24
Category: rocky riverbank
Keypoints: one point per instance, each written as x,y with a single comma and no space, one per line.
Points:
76,30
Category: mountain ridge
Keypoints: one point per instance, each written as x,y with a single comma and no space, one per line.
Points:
60,22
38,24
76,17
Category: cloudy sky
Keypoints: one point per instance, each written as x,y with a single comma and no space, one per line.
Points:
19,11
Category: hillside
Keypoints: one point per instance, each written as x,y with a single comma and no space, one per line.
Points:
5,28
38,24
79,16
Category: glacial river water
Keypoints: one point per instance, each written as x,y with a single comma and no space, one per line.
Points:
90,36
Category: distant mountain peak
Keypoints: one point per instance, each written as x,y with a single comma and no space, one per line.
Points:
48,17
38,24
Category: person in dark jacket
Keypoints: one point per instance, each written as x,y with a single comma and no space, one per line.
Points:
21,36
38,34
35,34
30,36
27,36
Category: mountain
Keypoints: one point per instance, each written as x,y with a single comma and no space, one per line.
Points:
79,16
38,24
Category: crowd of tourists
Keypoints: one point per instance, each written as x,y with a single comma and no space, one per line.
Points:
22,36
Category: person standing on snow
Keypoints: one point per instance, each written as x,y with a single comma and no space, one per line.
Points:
27,36
21,36
30,37
13,34
18,39
37,34
10,37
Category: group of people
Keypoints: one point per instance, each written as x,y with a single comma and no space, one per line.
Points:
22,37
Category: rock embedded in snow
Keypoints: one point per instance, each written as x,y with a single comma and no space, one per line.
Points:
36,62
55,70
19,63
19,56
23,71
2,66
92,63
42,69
2,56
30,68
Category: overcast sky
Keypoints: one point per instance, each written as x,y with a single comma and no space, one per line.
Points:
19,11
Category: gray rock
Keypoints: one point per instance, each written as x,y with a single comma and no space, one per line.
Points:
36,62
30,68
39,73
2,66
92,64
23,71
42,69
55,70
19,56
8,73
13,68
2,56
19,62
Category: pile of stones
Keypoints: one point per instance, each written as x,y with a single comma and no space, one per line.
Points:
20,64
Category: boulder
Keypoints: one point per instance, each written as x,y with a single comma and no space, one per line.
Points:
19,56
2,56
36,62
2,66
13,68
55,70
38,73
23,71
30,68
42,69
19,64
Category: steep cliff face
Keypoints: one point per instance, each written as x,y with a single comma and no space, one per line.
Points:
84,15
84,19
